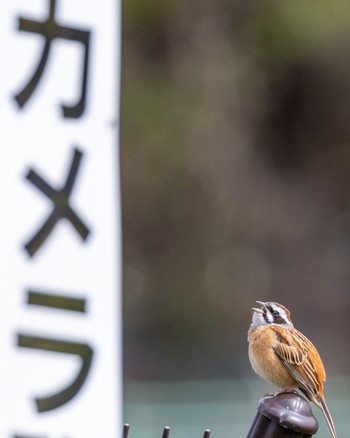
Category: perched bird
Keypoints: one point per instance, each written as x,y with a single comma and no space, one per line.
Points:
285,357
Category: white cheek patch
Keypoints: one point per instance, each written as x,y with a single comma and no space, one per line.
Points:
268,318
258,319
283,314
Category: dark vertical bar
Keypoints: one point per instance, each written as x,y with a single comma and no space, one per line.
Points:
166,432
126,430
206,433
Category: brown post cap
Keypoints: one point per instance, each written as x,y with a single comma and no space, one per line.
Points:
285,414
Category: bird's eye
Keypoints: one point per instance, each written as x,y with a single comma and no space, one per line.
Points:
275,314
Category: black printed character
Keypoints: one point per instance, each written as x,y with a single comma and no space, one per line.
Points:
49,344
51,30
61,205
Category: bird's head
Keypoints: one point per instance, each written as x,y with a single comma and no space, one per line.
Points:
271,313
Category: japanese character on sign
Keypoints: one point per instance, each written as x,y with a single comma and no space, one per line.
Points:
83,350
62,208
51,30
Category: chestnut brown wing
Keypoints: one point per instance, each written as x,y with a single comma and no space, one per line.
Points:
303,362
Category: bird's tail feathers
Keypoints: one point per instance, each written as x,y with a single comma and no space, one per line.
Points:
327,416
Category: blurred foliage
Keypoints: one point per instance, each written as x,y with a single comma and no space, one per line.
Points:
235,149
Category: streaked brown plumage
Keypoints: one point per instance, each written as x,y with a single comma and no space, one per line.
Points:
285,357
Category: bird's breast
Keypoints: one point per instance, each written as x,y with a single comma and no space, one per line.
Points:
263,359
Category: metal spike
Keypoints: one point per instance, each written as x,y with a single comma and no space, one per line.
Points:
166,432
206,433
126,430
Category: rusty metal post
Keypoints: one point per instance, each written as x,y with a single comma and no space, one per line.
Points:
285,415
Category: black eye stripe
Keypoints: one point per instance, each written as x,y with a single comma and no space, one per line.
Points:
275,314
279,320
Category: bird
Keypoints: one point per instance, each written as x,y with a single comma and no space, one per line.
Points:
285,357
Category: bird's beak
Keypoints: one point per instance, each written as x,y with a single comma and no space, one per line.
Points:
257,310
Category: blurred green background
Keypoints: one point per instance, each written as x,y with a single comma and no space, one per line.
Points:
235,156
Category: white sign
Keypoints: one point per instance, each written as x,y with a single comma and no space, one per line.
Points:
60,239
